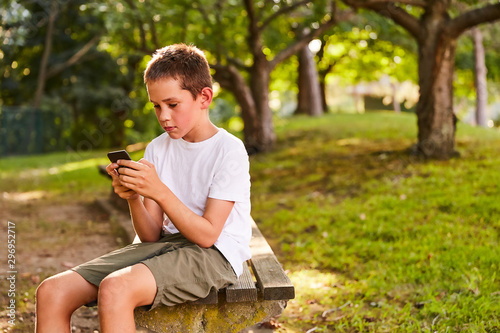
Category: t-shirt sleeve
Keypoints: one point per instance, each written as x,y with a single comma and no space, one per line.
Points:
232,177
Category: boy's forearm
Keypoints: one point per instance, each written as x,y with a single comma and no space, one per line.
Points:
144,225
195,228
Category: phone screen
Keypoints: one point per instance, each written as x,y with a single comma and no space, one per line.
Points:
118,155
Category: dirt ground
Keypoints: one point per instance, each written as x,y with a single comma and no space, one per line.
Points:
50,238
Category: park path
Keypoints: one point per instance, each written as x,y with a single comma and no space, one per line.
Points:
52,236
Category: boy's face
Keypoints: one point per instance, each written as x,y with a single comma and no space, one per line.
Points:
178,113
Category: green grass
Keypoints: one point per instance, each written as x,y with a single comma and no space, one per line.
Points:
374,239
60,176
407,244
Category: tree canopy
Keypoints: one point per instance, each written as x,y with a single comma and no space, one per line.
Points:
83,60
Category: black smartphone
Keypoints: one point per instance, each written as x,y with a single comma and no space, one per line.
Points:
118,155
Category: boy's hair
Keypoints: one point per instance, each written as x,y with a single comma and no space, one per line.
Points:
185,63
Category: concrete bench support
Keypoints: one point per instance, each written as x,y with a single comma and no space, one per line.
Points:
198,318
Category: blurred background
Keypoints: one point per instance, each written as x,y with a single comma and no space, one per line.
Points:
71,71
372,127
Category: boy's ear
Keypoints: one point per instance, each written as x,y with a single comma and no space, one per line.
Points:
206,96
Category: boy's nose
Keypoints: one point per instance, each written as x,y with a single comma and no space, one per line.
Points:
164,114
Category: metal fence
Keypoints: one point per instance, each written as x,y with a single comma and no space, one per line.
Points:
26,130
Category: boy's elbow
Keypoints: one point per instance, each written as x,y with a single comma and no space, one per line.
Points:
206,243
147,238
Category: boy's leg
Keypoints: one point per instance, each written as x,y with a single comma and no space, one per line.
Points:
58,297
120,293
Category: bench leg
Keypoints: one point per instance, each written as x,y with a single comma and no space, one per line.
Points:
222,317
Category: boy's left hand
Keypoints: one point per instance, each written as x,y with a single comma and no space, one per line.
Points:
140,177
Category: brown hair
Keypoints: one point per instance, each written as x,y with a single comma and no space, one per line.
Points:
182,62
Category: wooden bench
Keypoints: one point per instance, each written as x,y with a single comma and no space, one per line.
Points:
260,294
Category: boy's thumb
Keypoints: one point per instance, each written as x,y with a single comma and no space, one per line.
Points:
146,162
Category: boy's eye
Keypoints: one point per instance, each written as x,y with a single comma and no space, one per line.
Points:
156,106
172,105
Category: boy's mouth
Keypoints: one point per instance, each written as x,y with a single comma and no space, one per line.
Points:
169,128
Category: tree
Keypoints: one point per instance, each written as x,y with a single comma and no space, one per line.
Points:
355,55
253,95
436,31
45,72
51,61
310,97
244,42
480,81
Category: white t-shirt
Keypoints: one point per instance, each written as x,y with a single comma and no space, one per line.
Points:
215,168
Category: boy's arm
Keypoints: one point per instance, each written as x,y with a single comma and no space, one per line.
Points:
202,230
147,216
147,219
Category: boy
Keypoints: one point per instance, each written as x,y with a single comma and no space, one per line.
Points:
193,220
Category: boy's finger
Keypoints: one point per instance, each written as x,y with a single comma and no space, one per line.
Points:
111,170
146,162
130,164
127,163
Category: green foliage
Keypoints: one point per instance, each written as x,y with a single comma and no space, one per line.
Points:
384,240
359,55
96,94
465,63
106,84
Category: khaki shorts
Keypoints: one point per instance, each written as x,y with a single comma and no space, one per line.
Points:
183,271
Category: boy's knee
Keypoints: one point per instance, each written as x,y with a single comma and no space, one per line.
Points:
48,290
112,290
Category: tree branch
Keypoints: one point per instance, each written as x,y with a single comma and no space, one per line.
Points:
238,63
154,35
418,3
74,59
144,48
303,41
42,75
472,18
388,9
282,11
253,30
199,7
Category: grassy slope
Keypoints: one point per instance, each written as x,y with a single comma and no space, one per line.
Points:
402,243
380,240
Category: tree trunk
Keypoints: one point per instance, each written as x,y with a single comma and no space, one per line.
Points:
322,77
395,98
263,138
42,75
309,99
322,85
480,79
231,79
436,120
436,33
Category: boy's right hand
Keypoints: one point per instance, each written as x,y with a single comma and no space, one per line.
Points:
122,191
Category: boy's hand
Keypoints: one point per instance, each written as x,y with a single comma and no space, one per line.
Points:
140,177
122,191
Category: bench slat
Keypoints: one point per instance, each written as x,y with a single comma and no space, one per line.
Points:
244,289
212,298
272,281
